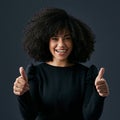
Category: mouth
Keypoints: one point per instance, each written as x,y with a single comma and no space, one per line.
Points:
61,51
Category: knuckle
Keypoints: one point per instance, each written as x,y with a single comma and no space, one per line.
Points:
13,87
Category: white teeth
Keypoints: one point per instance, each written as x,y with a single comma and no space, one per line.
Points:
61,51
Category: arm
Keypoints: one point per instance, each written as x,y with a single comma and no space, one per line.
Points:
93,102
26,106
23,90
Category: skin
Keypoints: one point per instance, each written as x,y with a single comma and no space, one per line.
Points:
101,84
21,83
60,47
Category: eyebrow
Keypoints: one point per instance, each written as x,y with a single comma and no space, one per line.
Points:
67,34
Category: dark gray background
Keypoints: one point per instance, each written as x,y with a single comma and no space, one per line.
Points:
104,18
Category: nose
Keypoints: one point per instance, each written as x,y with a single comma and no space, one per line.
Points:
61,42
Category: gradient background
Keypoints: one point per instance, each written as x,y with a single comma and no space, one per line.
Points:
104,18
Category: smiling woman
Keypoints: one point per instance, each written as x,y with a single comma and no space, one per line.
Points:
60,47
48,23
59,87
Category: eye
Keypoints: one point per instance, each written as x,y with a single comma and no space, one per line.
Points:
67,38
54,38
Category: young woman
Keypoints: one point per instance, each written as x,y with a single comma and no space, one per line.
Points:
60,87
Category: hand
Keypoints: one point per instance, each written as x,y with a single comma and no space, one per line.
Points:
21,83
101,84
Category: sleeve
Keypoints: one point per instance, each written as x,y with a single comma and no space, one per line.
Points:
93,103
26,101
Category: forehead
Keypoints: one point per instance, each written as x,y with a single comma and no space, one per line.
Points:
62,32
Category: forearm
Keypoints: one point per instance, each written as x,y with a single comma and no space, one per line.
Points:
26,107
92,110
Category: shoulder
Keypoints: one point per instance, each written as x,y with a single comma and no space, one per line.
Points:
91,71
32,68
88,68
85,67
81,66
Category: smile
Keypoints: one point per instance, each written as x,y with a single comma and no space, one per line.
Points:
60,51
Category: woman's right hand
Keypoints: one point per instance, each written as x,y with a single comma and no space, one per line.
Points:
21,83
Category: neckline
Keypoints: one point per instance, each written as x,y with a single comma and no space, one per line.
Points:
60,67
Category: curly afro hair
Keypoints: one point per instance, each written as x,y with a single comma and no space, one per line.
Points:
49,22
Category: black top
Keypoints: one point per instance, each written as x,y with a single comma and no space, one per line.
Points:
58,93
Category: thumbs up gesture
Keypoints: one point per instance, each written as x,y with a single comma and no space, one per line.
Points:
21,83
101,84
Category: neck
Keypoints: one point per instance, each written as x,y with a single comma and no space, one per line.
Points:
60,63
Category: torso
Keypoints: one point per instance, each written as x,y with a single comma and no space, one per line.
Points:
61,88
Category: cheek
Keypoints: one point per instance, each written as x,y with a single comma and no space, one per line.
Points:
70,45
52,46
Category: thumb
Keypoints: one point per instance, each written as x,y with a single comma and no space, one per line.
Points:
101,73
23,73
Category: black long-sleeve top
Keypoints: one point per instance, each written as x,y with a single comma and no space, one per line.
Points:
58,93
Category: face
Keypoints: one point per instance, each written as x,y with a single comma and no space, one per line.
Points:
60,46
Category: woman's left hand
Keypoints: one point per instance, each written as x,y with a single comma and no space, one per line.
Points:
101,84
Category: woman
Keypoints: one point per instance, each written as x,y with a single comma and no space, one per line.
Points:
59,86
